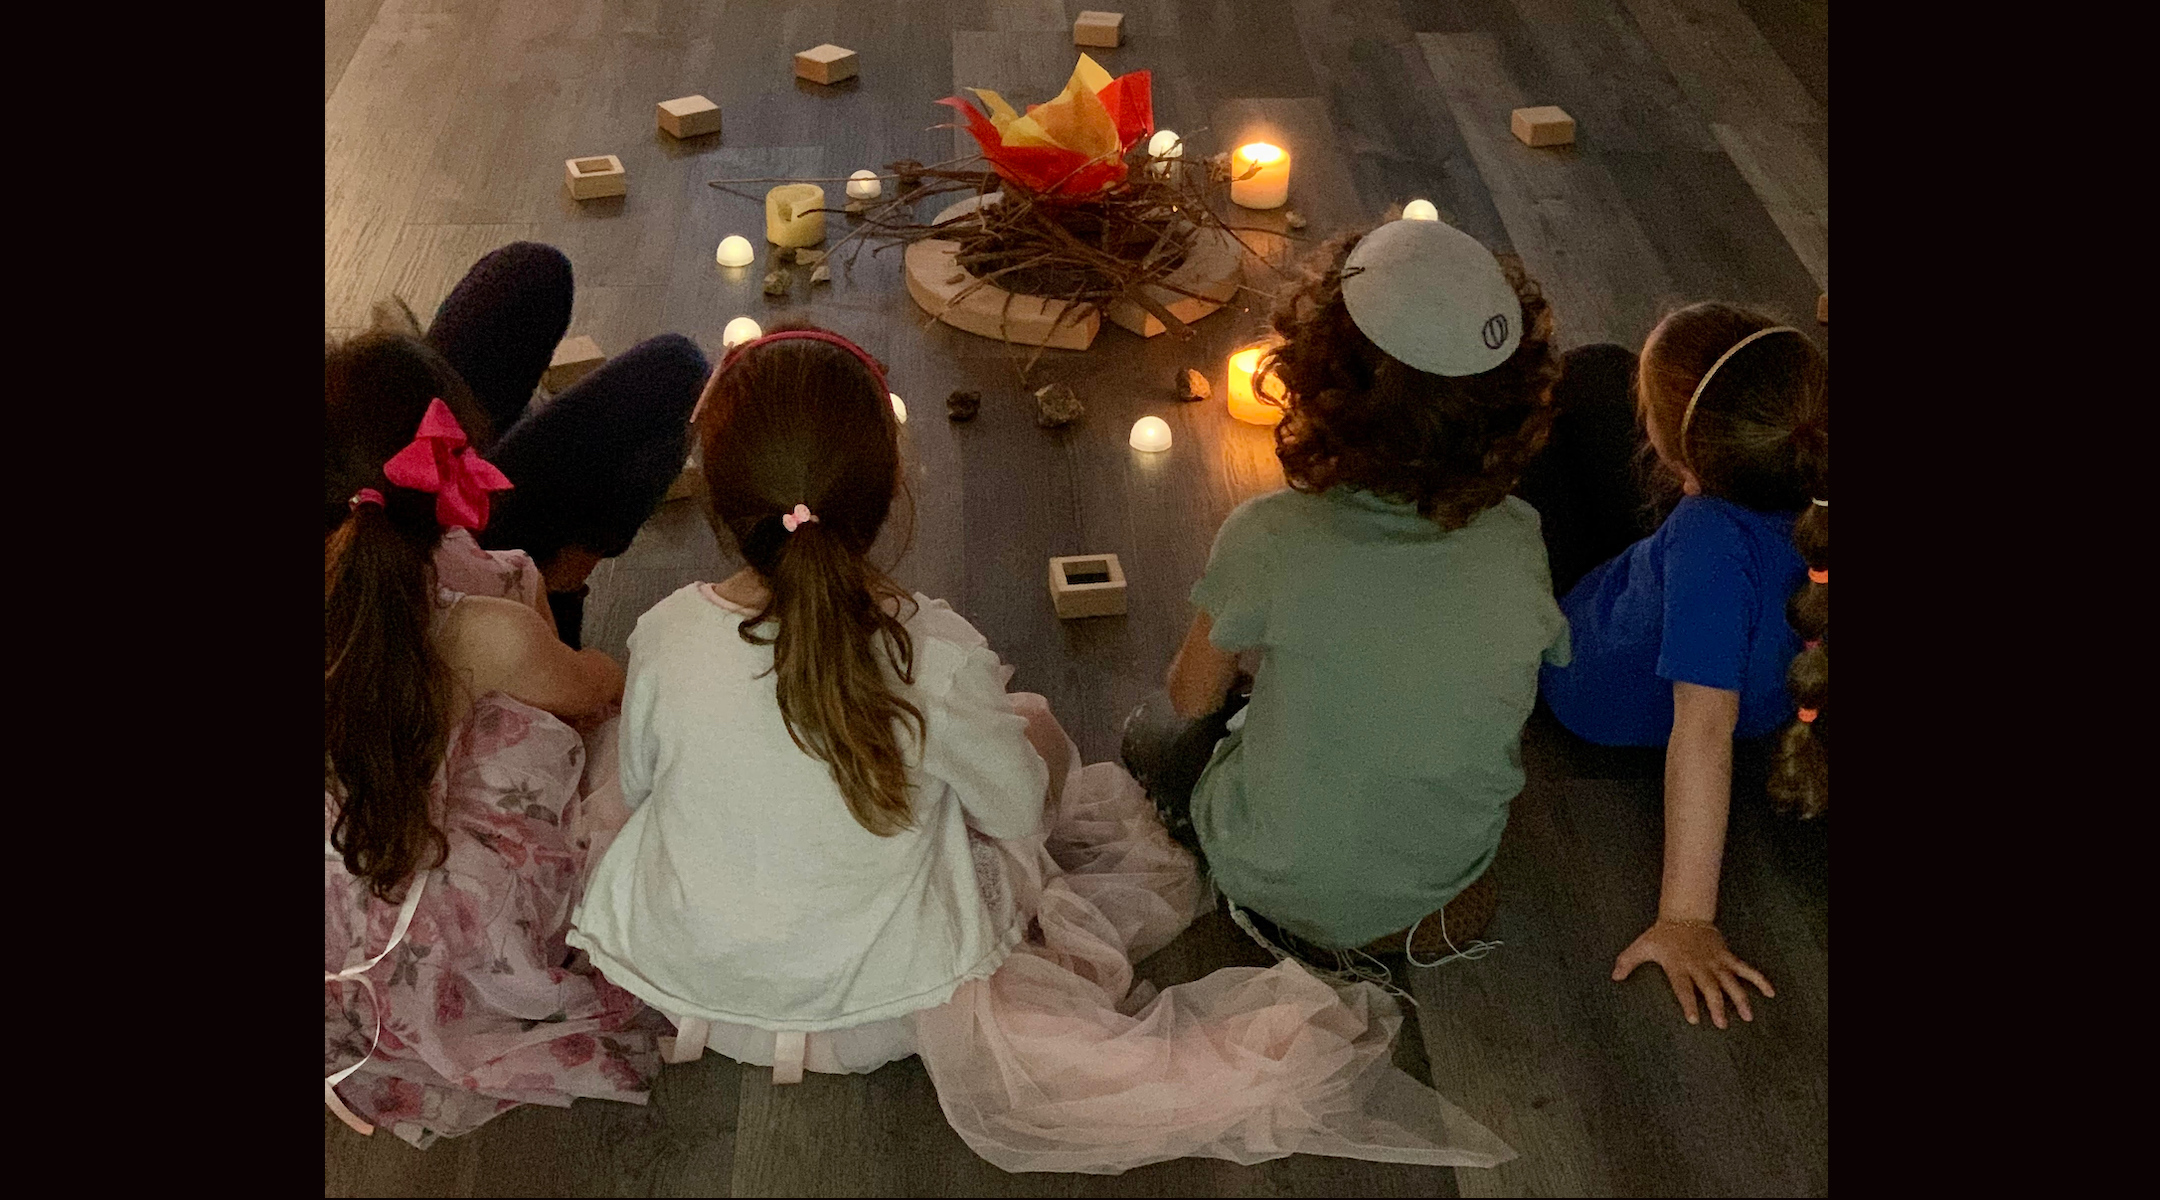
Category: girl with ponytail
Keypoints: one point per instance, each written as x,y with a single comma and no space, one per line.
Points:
851,845
1716,626
454,788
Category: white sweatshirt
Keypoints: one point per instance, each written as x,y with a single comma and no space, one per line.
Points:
741,890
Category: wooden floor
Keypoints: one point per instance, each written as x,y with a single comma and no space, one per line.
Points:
1700,170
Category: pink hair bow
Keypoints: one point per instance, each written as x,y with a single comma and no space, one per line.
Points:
797,519
439,461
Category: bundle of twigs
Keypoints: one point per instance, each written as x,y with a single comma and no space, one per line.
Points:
1085,250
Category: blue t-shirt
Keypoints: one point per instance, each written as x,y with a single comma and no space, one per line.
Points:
1700,601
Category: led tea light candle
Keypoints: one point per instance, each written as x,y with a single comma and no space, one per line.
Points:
738,331
1164,148
1151,434
899,407
1267,189
1244,404
789,221
1420,210
864,185
734,251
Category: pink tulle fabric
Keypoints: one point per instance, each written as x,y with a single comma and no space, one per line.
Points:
1057,1063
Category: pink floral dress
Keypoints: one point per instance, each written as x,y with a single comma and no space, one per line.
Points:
482,1007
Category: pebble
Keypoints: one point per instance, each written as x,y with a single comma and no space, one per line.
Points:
1056,404
962,406
1192,385
822,273
776,282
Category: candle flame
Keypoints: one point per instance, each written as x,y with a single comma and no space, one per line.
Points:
1261,153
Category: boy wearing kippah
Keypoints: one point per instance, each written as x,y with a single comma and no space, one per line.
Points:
1399,602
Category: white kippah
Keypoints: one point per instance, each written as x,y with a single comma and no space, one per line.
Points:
1430,295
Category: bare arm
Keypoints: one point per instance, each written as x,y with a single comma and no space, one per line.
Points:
1200,676
1698,799
1685,942
502,645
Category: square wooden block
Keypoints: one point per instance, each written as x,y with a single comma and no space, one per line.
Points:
596,176
825,64
1087,585
1822,308
574,359
689,116
1103,29
1546,126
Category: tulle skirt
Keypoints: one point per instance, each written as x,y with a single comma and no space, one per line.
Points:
1057,1063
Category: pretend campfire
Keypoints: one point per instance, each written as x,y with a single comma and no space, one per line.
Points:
1079,217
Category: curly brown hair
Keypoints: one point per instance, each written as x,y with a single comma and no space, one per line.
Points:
1357,417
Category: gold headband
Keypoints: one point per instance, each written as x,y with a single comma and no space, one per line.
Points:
1688,418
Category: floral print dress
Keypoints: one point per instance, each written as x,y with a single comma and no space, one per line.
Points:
482,1006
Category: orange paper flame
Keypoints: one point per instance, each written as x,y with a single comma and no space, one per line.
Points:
1072,146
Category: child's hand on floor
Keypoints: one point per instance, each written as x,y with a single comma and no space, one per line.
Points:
1694,957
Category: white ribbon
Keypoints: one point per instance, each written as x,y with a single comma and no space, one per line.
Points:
359,973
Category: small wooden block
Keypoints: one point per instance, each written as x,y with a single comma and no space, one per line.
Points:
1822,308
594,177
689,116
1087,585
1102,29
574,359
825,64
686,484
1546,126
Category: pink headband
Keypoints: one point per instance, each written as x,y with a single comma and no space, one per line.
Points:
814,335
439,461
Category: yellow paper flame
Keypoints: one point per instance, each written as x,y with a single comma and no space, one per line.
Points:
1075,121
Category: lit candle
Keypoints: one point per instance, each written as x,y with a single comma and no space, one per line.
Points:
1420,210
899,407
1270,187
738,331
1151,434
864,185
790,219
1244,405
734,251
1164,148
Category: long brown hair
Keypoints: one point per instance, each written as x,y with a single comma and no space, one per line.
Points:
804,422
1760,437
386,691
1358,417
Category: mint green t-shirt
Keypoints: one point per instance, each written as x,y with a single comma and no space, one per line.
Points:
1371,778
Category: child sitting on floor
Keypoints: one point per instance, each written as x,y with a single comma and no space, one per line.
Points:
1716,626
1398,600
455,782
850,845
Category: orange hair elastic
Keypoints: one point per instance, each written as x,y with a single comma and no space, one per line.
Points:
1815,576
1807,716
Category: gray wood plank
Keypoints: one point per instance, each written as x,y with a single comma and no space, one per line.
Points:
345,22
1761,115
1564,215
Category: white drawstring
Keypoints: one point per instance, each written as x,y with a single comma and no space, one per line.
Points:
359,973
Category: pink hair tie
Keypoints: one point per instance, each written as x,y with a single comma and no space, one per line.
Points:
364,496
797,519
1807,716
1811,643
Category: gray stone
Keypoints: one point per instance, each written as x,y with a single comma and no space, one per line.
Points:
1056,404
822,273
1293,219
776,282
962,406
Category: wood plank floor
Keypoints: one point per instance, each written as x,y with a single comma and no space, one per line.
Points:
1700,170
